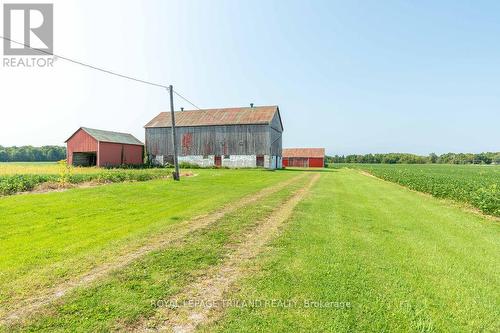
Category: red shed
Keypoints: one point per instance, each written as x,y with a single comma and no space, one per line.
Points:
304,157
92,147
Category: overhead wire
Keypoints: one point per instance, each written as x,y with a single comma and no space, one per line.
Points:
185,99
102,70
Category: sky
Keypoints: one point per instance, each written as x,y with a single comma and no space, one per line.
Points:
350,76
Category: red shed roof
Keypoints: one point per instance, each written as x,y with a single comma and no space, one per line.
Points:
210,117
108,136
304,152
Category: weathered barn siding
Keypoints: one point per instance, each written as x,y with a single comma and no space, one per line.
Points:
275,133
207,137
240,144
210,140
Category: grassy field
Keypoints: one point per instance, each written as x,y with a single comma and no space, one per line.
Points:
125,297
49,238
477,185
364,255
357,254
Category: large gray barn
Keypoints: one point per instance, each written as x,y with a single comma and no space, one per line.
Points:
232,137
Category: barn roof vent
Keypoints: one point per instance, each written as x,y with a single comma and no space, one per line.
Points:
251,105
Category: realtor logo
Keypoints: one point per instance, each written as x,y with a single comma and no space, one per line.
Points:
28,24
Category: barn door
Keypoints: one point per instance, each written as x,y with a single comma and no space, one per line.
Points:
260,160
92,160
218,161
122,157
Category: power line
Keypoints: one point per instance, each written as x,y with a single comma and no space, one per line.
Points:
100,69
87,65
184,98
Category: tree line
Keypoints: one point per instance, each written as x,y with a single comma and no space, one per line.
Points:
57,153
32,154
403,158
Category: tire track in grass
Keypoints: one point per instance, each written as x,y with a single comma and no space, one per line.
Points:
210,288
30,306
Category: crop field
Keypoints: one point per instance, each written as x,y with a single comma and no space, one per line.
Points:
40,168
21,177
477,185
246,250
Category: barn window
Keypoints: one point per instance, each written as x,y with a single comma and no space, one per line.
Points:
226,157
205,156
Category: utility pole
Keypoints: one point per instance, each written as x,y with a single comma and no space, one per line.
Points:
176,173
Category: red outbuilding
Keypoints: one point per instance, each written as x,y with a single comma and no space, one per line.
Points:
92,147
304,157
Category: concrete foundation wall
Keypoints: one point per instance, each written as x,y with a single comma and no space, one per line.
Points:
209,161
159,160
240,161
234,161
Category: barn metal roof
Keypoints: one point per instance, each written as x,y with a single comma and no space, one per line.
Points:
211,117
108,136
304,152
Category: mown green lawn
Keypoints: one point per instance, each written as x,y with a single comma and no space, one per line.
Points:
358,254
48,238
364,255
120,301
